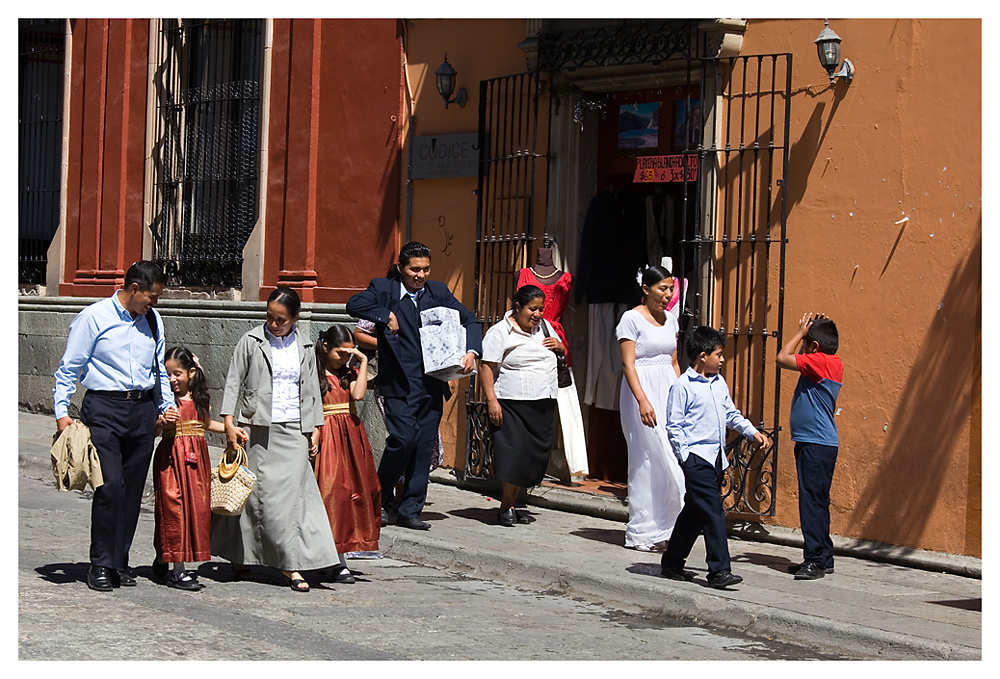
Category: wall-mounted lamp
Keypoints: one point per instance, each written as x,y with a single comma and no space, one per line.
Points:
828,46
446,75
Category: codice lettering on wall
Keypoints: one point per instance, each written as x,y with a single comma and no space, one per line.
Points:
445,155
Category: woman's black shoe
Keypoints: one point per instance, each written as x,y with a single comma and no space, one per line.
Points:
507,517
521,518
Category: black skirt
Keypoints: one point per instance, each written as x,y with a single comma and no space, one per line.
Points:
522,444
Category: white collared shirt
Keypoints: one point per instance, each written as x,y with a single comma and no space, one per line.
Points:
527,370
284,377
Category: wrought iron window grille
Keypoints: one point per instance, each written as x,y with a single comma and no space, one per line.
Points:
206,151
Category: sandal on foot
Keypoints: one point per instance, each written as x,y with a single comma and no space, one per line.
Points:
296,584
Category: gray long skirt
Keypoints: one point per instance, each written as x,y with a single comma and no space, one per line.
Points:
284,522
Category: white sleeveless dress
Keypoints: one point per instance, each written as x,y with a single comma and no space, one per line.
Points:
655,479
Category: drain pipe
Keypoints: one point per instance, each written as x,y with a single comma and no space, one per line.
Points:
411,126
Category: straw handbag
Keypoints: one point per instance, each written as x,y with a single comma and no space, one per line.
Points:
232,482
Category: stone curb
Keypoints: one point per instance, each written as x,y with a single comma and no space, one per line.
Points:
611,508
659,598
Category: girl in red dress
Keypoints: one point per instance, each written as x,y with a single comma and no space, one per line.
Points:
344,466
182,475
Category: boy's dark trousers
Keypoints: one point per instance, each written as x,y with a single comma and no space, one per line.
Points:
814,465
702,513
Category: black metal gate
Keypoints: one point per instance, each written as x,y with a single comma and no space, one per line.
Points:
207,84
512,180
735,249
732,244
41,66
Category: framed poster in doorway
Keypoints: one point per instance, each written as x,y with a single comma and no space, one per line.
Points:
638,127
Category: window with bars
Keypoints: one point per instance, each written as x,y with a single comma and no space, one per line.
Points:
206,147
41,66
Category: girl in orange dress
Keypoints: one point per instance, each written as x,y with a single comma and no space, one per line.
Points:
344,466
182,475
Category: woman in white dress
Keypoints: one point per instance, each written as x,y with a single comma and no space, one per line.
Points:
647,338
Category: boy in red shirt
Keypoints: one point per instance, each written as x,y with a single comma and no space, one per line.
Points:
815,434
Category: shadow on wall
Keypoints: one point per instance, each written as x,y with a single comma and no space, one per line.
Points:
923,441
803,153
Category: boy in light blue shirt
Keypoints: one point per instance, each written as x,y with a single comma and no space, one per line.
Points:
699,409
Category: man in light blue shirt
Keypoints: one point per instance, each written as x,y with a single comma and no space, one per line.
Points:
113,351
699,409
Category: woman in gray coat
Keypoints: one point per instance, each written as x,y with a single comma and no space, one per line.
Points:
272,400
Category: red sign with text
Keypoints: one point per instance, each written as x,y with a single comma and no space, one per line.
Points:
666,168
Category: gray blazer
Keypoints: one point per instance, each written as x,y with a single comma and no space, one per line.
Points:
247,396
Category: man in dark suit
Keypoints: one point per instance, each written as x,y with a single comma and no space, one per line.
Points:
413,401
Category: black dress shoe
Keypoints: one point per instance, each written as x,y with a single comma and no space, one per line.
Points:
343,576
414,523
521,518
121,578
98,579
795,568
723,579
809,571
507,517
674,573
184,581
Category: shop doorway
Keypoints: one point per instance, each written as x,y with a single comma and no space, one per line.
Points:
715,204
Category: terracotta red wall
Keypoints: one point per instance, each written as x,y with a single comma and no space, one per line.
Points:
107,121
333,196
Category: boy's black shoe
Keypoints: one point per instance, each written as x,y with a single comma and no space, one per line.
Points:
723,579
794,568
674,573
809,571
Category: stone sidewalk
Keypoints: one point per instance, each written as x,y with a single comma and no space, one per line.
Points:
869,608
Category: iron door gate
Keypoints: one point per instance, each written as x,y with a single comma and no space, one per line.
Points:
511,199
733,243
735,250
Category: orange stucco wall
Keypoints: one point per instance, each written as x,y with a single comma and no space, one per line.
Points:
444,210
902,142
885,232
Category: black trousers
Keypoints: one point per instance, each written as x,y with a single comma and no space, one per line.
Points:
412,424
123,433
702,514
814,464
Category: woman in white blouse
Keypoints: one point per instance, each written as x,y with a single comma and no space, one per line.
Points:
520,383
272,400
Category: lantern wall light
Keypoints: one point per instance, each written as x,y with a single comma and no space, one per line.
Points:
446,76
828,46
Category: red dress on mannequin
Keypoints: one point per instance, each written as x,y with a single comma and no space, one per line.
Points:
556,289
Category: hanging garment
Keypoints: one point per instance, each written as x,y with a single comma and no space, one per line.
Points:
604,361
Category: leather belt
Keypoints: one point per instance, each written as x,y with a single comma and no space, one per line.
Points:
133,395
